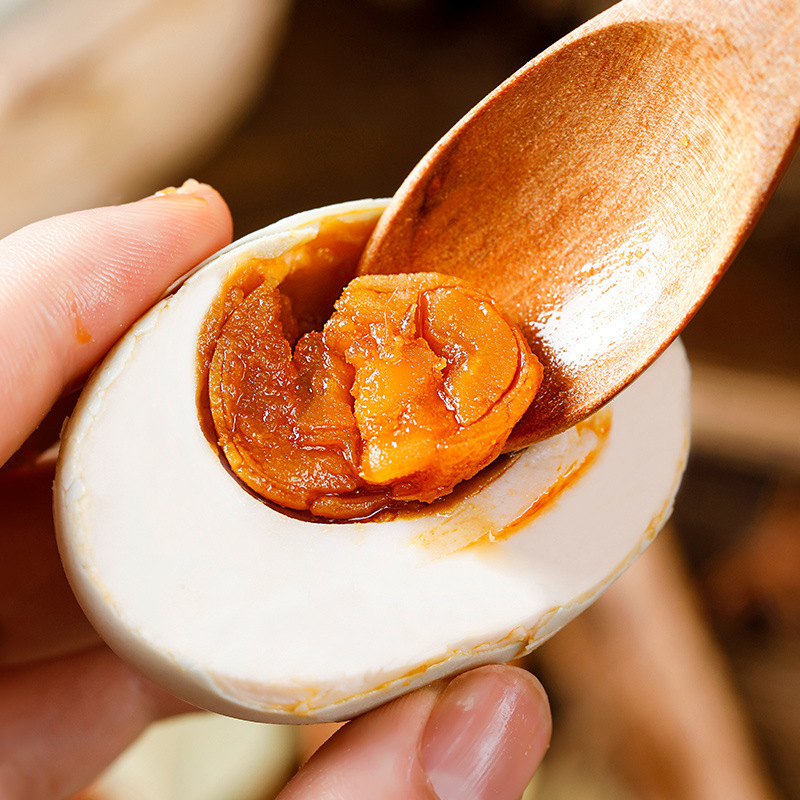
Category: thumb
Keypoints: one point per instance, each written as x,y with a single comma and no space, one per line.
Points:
71,285
482,736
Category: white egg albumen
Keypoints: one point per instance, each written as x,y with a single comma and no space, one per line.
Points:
247,612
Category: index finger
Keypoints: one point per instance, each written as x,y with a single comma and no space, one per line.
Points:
71,285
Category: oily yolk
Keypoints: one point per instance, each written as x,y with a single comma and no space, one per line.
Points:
412,386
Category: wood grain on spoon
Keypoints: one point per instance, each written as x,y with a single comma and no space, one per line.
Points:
600,192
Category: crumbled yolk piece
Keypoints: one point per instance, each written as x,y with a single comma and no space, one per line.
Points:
412,386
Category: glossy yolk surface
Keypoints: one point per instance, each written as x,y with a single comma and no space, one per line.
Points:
412,386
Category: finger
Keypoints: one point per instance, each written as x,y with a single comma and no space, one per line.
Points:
71,285
39,616
486,740
63,721
480,737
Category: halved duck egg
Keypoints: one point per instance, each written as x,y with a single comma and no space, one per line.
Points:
243,608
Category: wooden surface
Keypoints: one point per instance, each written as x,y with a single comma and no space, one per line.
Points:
643,665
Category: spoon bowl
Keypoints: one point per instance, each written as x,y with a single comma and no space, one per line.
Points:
601,191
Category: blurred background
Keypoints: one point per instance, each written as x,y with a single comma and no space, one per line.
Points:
683,682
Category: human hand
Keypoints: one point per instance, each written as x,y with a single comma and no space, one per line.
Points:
69,287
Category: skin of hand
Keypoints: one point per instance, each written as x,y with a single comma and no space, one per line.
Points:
69,287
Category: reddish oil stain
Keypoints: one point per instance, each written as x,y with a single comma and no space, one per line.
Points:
475,527
82,336
600,424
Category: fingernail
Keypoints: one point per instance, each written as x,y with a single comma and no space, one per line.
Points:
486,735
189,187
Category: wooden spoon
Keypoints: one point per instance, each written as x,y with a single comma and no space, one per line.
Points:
600,192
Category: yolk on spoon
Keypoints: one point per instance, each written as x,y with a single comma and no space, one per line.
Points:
413,385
